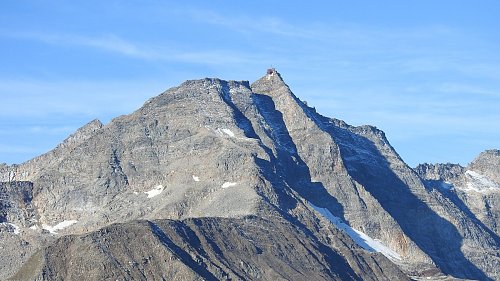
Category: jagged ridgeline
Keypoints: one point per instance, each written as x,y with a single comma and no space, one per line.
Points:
227,180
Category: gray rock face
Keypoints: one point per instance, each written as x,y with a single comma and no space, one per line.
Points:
227,180
475,188
440,172
15,203
17,214
488,164
203,249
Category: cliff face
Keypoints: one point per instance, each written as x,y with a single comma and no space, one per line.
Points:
227,180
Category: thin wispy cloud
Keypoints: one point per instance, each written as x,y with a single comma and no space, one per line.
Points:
247,24
153,52
340,33
469,89
50,129
17,149
110,43
88,98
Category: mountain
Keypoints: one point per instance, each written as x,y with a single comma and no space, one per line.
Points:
220,180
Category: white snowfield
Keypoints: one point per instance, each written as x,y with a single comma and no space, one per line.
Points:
479,183
195,178
228,184
155,191
363,240
59,226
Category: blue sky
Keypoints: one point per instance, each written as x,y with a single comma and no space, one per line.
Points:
426,72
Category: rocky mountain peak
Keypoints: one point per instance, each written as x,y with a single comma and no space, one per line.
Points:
195,93
445,172
227,180
272,83
488,164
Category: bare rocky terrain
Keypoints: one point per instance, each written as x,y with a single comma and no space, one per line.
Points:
227,180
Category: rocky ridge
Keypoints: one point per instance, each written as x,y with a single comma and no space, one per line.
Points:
211,170
475,188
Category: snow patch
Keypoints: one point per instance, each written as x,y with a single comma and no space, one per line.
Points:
228,184
16,229
34,227
155,191
12,227
479,183
363,240
447,185
220,131
59,226
195,178
228,132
